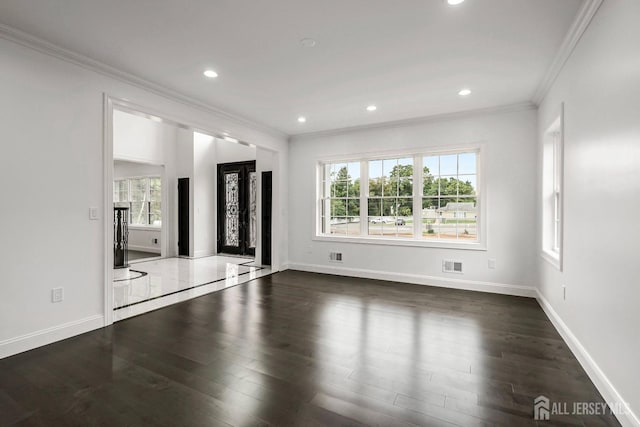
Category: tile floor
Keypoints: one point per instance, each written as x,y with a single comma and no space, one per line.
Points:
171,280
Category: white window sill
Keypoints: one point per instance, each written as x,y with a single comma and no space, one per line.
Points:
552,258
144,227
443,244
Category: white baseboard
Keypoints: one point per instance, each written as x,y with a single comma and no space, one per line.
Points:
597,376
47,336
204,253
418,279
151,249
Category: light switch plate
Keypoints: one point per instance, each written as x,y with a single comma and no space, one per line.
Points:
93,214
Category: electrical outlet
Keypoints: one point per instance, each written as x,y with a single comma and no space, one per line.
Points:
492,263
57,294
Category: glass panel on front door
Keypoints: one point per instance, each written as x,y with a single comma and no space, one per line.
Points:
253,232
232,221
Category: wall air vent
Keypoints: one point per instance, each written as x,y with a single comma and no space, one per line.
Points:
451,266
335,256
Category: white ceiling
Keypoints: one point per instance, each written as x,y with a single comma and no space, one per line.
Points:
409,57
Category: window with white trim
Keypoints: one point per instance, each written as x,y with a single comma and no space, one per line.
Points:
423,197
552,162
144,196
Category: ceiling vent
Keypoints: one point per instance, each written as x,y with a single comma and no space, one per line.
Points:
451,266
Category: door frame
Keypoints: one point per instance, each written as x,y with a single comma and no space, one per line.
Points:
110,102
243,169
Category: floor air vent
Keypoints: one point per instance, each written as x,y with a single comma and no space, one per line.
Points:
450,266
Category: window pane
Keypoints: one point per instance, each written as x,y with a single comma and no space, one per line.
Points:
431,165
430,185
376,186
467,184
139,213
448,186
375,207
405,187
353,226
353,179
449,164
467,163
138,190
375,169
338,225
338,207
353,207
339,189
155,190
404,207
467,218
156,214
338,171
121,191
389,207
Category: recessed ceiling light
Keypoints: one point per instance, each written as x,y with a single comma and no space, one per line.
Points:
454,2
211,74
302,119
372,108
464,92
307,42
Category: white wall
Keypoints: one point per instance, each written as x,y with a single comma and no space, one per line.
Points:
509,160
204,195
600,86
55,109
141,238
229,152
125,169
138,140
184,169
264,163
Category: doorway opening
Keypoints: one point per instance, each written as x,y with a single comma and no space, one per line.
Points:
137,192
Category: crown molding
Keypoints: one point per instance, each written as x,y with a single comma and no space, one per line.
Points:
522,106
579,26
43,46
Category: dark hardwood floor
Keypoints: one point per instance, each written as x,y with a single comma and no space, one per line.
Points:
301,349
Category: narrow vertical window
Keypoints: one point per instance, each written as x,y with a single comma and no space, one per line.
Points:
552,192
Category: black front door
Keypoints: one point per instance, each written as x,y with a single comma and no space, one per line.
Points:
183,216
237,226
266,217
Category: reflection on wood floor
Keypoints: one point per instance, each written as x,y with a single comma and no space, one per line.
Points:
303,349
167,281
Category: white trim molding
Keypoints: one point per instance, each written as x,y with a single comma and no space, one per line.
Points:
48,48
419,279
49,335
597,376
579,26
502,109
